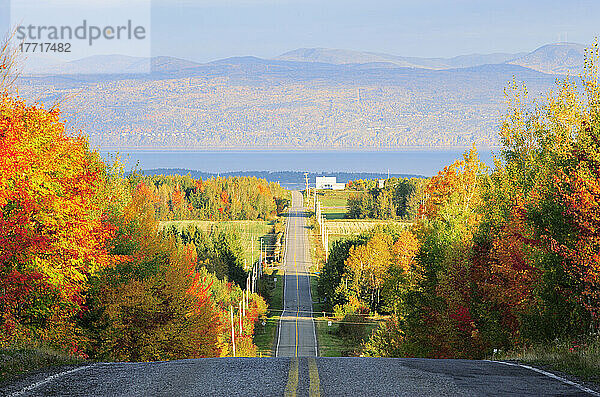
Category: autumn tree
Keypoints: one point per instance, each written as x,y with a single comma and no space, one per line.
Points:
366,268
151,304
53,233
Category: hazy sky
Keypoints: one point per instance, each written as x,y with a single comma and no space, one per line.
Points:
205,30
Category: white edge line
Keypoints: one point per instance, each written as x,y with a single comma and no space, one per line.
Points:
49,379
550,375
285,255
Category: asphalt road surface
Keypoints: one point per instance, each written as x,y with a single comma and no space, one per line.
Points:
296,371
304,376
296,335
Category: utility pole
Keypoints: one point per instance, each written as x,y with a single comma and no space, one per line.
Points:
326,243
232,330
241,324
306,181
244,302
253,277
261,254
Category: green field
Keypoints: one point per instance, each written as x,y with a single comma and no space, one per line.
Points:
334,198
334,213
250,232
333,203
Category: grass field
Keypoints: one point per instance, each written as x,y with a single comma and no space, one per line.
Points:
333,198
333,203
250,232
334,213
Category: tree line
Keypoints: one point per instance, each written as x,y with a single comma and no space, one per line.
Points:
496,258
397,198
177,197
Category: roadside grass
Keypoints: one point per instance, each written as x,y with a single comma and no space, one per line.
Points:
250,232
15,362
579,358
329,343
330,340
264,335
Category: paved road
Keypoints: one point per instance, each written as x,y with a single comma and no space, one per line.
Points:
296,371
305,376
296,332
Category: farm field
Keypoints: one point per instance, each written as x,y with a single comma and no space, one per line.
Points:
333,203
250,232
334,198
332,214
339,229
334,207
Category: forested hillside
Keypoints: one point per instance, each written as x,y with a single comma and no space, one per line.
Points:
248,102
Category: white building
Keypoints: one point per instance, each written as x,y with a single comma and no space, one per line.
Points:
328,182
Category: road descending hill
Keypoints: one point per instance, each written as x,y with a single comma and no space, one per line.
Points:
296,335
296,371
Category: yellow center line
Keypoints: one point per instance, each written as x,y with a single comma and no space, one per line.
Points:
292,383
313,372
297,285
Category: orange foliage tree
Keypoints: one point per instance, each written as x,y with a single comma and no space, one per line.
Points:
151,304
52,231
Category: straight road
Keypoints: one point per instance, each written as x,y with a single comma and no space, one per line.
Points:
296,335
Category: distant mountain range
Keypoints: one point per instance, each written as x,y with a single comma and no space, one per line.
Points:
306,98
564,58
559,58
341,57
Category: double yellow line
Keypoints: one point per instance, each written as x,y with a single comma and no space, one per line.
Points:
291,387
314,388
297,284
